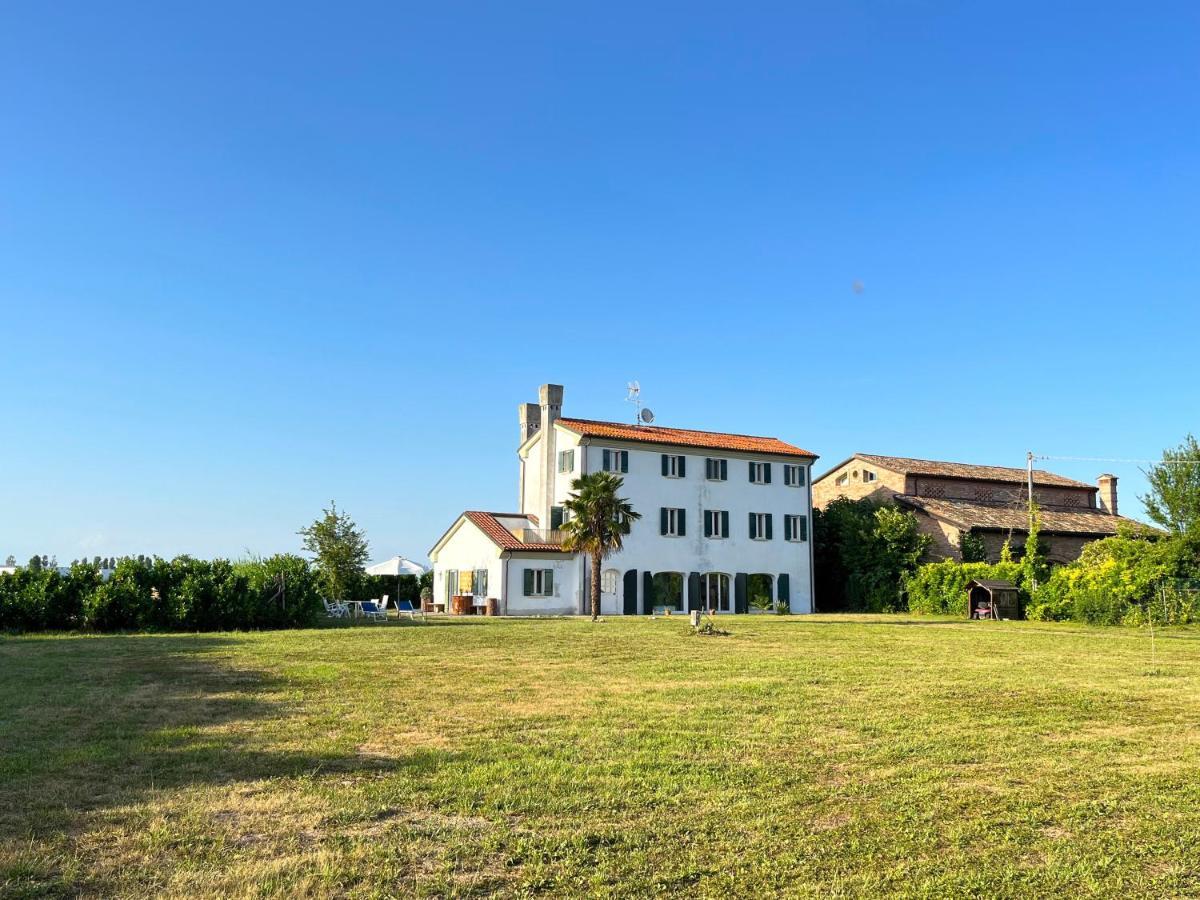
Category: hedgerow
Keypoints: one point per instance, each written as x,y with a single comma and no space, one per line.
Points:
182,594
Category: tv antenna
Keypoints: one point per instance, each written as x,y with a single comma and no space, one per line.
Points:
635,397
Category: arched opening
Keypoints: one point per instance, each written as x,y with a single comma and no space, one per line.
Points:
715,592
610,592
759,592
668,590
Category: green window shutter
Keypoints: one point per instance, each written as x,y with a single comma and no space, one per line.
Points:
766,473
681,522
682,467
708,468
724,524
787,528
800,475
785,588
708,523
483,578
556,518
624,460
724,470
753,526
631,589
662,520
548,582
750,466
647,592
769,518
529,582
693,597
803,528
605,460
741,603
665,465
787,476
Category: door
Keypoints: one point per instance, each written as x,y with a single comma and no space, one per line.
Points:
610,592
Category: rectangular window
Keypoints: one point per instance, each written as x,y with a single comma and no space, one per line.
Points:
566,460
557,517
795,528
760,473
794,476
674,466
716,469
539,582
479,583
614,460
760,526
672,522
716,523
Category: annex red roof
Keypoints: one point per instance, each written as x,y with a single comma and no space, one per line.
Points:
683,437
489,524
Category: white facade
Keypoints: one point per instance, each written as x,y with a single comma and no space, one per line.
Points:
653,569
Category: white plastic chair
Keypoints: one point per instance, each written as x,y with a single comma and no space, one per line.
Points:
336,610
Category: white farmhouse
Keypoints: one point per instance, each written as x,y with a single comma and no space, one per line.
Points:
725,523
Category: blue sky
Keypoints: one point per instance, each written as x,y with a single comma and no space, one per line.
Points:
258,256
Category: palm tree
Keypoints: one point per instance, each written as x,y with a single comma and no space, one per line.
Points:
598,521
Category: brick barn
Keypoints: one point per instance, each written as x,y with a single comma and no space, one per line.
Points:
950,499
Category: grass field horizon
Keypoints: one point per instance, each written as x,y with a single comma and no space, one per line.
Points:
801,755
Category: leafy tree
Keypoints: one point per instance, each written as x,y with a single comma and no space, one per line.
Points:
10,560
35,564
971,547
340,551
599,520
862,553
1174,498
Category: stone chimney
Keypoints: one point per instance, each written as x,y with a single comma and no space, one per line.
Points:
550,398
530,417
1108,493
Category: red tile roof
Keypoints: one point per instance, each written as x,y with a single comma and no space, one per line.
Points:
909,466
966,514
488,523
683,437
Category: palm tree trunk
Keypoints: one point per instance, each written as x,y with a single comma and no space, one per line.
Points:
595,586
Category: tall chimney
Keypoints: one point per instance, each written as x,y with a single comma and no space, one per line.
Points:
1108,493
530,417
550,398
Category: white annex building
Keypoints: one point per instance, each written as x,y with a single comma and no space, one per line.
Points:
725,523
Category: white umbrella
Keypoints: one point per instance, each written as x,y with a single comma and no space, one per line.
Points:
397,565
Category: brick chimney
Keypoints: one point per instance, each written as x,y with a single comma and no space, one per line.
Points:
530,417
1108,493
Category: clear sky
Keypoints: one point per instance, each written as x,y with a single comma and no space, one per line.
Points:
257,256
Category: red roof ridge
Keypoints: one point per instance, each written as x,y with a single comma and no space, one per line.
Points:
641,427
685,437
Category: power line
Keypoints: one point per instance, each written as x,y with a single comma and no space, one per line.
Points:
1113,459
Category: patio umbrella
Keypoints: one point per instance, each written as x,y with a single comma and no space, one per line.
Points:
397,566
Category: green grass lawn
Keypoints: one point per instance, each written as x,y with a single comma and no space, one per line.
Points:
823,755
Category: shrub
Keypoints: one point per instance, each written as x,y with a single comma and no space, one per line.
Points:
862,553
160,595
941,588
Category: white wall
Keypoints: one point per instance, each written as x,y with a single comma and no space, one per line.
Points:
648,490
467,548
567,587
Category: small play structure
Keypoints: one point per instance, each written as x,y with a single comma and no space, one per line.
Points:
993,599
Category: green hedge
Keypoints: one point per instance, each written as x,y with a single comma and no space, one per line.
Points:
182,594
1125,580
941,588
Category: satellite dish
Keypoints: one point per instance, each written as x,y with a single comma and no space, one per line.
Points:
647,416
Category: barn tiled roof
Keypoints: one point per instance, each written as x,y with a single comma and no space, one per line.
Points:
995,517
683,437
909,466
489,524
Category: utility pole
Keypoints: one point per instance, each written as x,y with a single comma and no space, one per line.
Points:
1029,538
